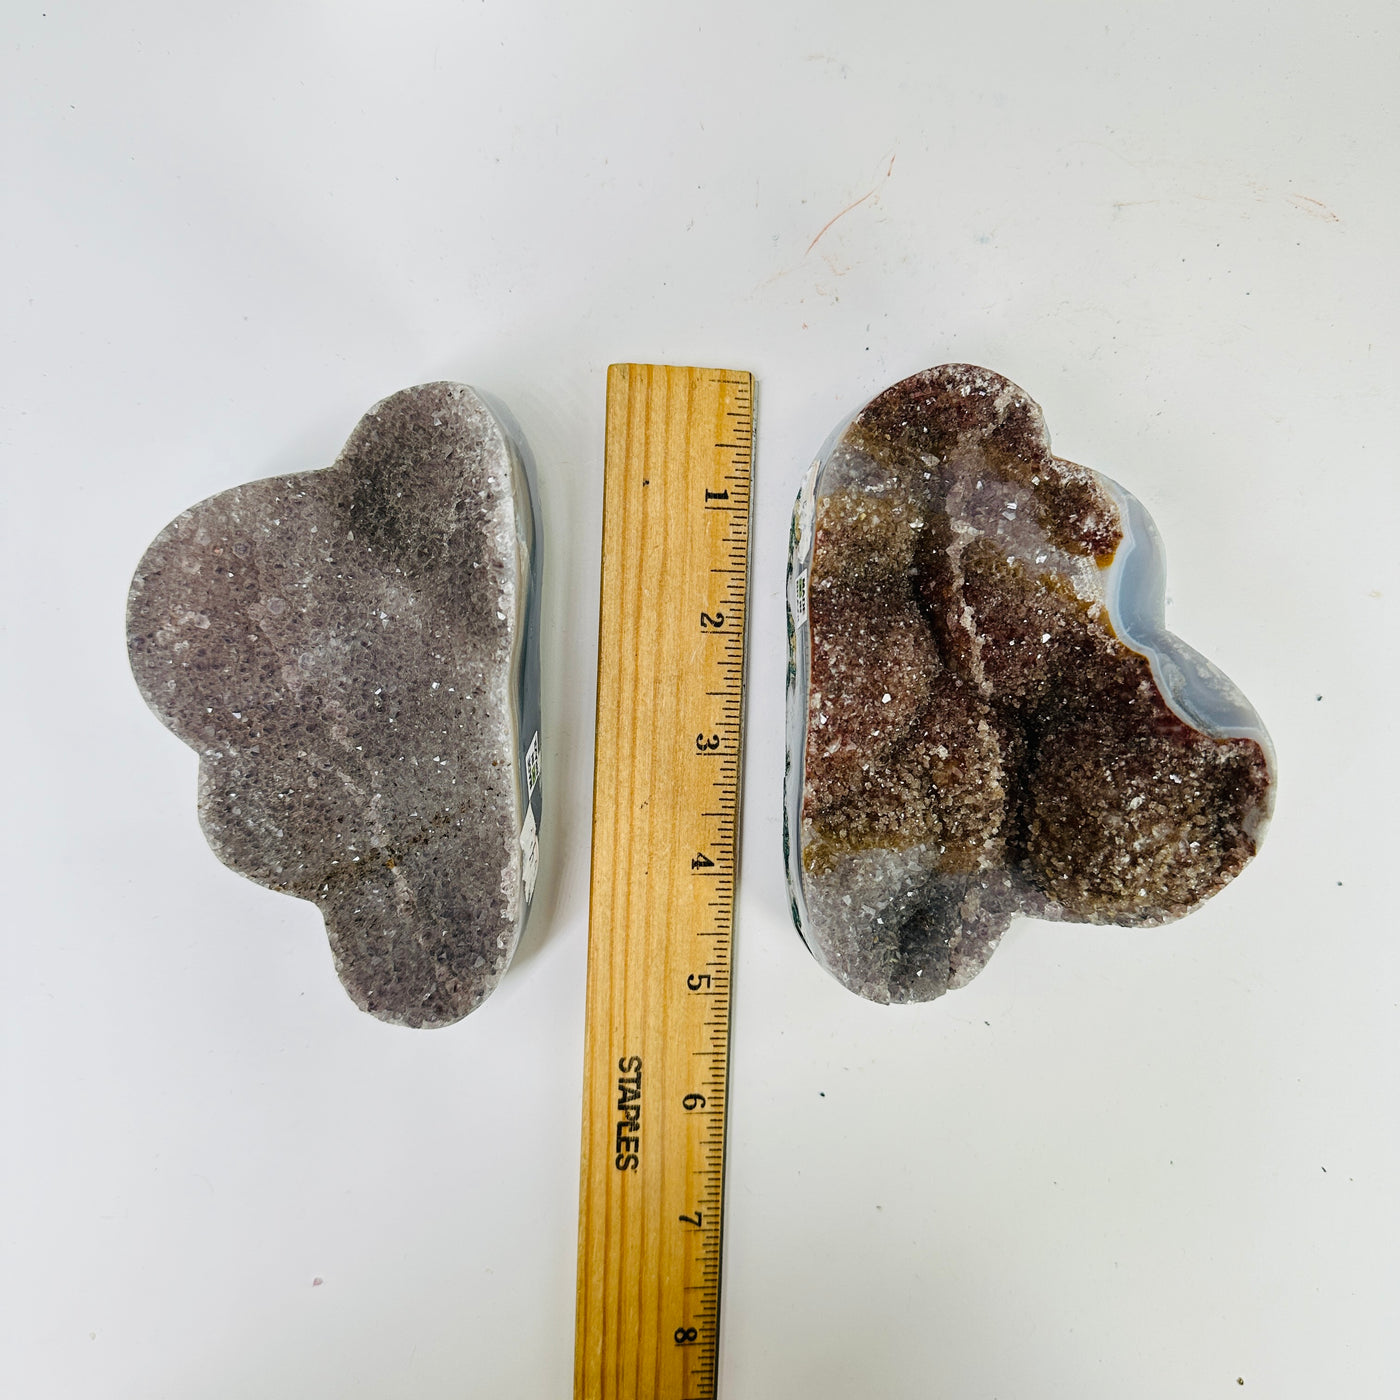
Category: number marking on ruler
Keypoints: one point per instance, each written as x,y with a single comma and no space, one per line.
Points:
661,914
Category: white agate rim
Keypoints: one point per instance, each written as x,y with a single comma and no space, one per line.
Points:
1198,692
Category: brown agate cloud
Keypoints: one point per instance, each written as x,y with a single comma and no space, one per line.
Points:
347,652
987,715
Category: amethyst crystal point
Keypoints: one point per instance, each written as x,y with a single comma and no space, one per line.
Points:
352,654
987,716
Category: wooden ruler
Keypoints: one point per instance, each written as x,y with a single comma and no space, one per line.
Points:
661,913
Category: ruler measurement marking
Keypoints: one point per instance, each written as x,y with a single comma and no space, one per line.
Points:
653,926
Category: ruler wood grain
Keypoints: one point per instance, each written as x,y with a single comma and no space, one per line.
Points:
661,914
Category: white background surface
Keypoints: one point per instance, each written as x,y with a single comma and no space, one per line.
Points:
1119,1164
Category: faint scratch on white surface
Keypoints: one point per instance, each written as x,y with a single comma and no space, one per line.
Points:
1208,182
1315,207
854,204
834,65
1240,195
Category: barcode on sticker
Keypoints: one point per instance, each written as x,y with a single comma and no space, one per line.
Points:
532,765
799,593
530,849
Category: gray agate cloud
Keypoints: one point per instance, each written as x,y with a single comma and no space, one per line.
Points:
352,654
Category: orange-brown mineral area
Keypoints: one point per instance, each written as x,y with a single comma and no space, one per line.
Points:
978,741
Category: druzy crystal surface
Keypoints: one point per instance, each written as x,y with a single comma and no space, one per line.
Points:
987,716
352,654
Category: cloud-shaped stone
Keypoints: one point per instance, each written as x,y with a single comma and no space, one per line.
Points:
351,653
987,714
